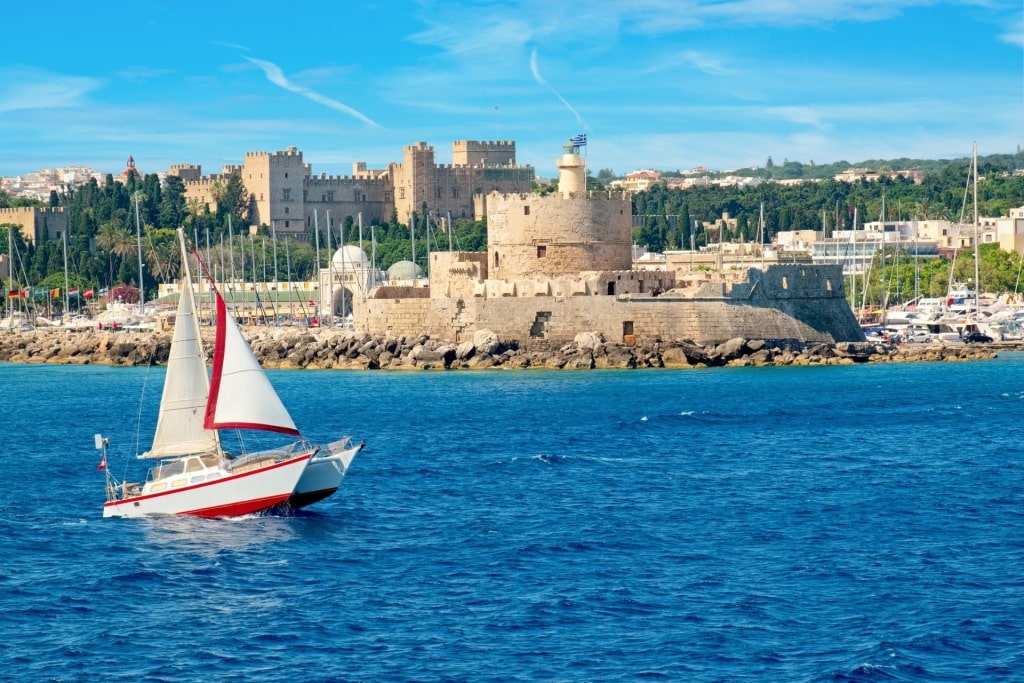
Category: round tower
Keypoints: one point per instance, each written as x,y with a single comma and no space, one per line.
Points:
572,171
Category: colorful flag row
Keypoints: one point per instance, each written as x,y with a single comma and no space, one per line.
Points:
54,293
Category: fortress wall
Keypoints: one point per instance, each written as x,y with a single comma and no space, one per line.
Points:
560,319
793,302
456,274
36,224
530,235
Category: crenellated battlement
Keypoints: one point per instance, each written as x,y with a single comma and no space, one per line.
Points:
31,210
591,195
324,180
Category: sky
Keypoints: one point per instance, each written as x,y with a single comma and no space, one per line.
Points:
662,84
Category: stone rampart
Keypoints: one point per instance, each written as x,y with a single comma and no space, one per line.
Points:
801,303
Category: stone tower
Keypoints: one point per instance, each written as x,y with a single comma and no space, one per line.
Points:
530,236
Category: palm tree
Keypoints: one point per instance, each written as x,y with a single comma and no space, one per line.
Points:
162,254
117,240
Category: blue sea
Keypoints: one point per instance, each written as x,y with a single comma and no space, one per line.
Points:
855,523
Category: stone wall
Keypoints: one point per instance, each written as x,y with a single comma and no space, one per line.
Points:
36,224
803,303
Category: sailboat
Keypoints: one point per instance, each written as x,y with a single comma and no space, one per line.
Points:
324,473
195,475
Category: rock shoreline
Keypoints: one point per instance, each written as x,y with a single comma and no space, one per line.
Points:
332,348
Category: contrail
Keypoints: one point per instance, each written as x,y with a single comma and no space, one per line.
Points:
277,77
537,77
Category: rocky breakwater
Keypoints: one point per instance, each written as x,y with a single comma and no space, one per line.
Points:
333,348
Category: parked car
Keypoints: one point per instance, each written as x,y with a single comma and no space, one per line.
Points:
977,338
917,336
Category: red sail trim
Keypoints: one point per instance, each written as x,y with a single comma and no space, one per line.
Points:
252,425
209,420
218,363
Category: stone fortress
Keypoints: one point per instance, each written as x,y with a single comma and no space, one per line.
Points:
561,264
285,194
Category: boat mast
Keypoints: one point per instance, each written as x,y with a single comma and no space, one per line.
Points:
10,271
330,270
67,292
977,244
138,242
760,236
277,283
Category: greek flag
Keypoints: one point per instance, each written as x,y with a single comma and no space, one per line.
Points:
579,140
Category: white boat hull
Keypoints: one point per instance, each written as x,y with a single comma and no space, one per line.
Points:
232,495
323,475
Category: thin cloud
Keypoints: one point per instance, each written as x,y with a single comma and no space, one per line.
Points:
22,90
141,73
277,77
537,77
233,46
707,63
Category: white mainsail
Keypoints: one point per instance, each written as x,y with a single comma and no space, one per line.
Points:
241,396
179,428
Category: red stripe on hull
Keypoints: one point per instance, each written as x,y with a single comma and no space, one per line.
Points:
246,507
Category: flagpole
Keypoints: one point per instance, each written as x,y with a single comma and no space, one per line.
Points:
67,288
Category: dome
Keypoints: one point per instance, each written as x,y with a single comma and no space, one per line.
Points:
350,257
404,270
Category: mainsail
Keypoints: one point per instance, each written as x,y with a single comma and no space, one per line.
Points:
241,396
179,428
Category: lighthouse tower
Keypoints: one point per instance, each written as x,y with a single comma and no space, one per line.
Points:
572,172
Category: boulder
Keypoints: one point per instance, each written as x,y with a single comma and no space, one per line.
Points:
486,341
588,341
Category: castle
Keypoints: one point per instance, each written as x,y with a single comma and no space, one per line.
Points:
284,192
560,264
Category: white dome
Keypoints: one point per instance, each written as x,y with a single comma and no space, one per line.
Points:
350,257
404,270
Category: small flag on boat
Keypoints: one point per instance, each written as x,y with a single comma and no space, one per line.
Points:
89,293
103,463
54,293
579,140
73,291
103,291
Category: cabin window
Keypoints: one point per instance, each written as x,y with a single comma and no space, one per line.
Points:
542,250
194,465
196,479
178,483
157,487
